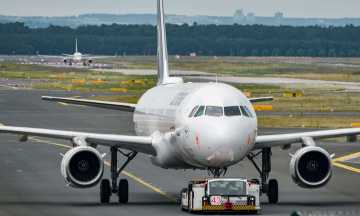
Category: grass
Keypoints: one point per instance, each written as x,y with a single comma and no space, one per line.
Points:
314,99
331,69
306,122
73,79
121,84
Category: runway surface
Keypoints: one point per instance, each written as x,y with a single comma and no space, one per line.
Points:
31,183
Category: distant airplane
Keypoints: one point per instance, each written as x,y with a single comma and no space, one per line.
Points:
78,57
208,126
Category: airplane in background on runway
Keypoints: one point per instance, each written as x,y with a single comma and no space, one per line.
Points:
209,126
76,57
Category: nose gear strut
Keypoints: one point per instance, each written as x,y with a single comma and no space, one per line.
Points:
217,172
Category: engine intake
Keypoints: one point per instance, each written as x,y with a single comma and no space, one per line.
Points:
311,167
82,167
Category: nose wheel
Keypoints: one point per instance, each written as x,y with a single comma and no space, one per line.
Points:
108,188
268,187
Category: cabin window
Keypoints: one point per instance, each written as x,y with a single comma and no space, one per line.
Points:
232,111
214,111
193,111
200,111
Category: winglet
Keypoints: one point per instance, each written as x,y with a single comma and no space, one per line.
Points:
162,52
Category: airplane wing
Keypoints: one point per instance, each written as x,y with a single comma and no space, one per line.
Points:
95,103
68,55
292,138
261,99
49,56
133,143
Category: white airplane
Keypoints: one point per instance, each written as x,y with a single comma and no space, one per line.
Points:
209,126
78,57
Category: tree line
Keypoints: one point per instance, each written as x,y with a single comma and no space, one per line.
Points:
208,40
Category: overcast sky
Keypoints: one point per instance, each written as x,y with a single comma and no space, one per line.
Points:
291,8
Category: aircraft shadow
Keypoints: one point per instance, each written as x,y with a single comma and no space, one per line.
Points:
316,203
82,204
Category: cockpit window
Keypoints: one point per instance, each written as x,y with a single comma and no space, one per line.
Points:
200,111
232,111
193,111
248,111
245,111
214,111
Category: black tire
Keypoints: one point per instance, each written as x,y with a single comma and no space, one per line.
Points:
184,190
105,191
273,191
256,181
123,191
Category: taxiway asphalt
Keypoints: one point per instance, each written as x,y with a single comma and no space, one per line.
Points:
31,183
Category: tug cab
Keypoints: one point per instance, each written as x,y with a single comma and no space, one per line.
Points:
221,195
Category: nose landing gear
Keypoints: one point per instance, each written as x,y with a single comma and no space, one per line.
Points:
121,189
217,172
269,187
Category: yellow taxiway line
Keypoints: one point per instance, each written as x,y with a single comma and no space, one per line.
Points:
347,157
349,168
62,103
126,173
336,162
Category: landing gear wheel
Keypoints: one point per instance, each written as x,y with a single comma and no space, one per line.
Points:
123,191
105,191
273,191
256,181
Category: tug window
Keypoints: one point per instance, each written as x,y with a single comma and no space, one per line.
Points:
232,111
193,111
214,111
200,111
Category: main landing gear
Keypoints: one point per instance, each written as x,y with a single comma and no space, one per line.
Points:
269,187
108,188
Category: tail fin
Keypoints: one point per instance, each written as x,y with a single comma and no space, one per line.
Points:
162,52
76,45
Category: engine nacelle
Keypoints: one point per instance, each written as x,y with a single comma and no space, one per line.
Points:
311,167
82,167
166,156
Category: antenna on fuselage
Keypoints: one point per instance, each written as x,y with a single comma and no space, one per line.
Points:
162,52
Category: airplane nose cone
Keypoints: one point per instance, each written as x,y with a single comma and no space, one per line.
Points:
221,140
220,143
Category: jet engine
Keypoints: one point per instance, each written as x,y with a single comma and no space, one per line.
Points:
311,167
82,167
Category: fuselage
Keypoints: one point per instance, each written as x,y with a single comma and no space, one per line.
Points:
77,56
207,124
